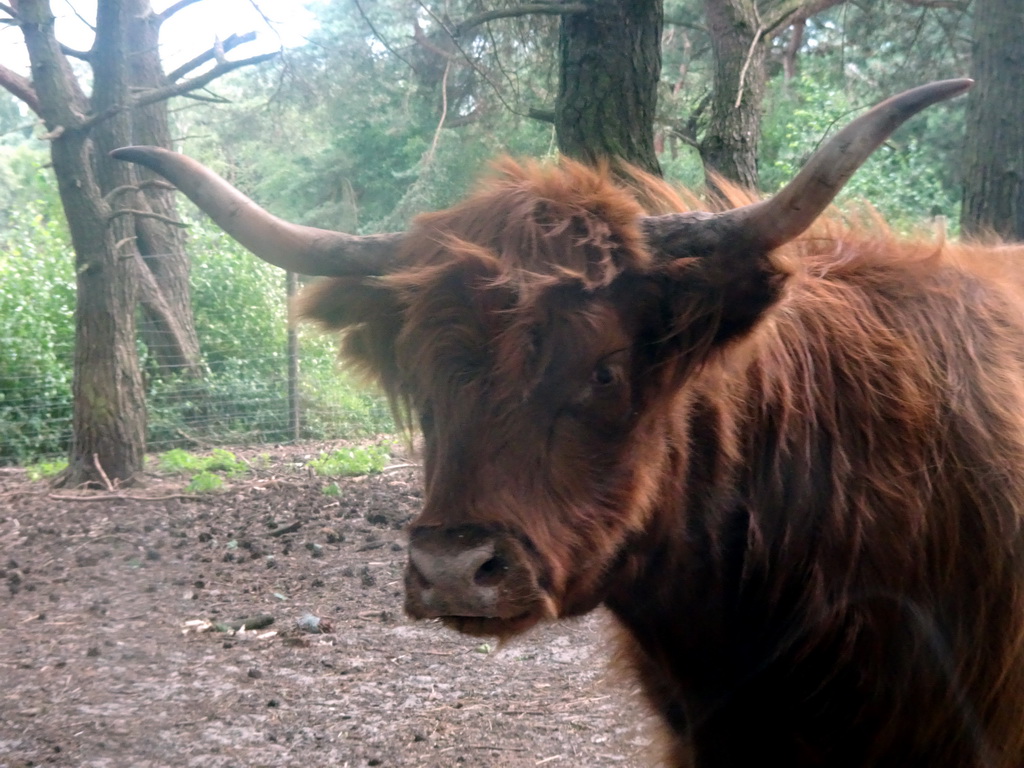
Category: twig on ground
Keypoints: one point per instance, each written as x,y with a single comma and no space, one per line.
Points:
99,468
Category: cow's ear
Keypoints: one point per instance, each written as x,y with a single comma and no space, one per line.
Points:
691,308
336,303
367,309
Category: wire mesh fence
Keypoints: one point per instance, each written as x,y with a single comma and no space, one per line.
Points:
232,400
252,381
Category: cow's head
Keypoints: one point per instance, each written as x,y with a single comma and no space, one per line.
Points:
534,331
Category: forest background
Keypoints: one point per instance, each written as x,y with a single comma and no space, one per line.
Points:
382,110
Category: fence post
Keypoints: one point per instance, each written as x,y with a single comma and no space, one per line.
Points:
294,422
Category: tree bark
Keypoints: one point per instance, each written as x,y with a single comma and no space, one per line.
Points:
109,416
993,199
610,65
168,327
740,31
109,419
729,146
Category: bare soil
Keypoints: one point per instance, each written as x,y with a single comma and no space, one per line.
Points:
113,650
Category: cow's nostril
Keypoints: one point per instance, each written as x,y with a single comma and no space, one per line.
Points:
491,572
418,578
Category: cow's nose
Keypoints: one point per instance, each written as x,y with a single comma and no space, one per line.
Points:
455,580
469,571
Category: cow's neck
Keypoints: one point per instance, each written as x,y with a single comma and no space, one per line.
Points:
709,644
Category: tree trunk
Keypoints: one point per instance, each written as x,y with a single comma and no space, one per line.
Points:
610,65
740,31
109,419
168,328
993,200
729,147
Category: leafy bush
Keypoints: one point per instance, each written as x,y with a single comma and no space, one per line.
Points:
229,405
241,319
206,473
334,404
37,295
219,460
46,469
349,462
904,179
239,305
205,482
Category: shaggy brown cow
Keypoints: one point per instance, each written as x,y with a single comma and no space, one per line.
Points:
790,463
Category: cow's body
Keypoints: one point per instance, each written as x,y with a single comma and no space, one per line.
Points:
790,462
834,575
811,535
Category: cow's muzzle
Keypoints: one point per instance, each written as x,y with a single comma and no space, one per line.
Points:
479,581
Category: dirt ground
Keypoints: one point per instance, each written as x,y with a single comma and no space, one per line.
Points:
108,657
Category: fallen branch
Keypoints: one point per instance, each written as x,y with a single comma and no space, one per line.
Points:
115,495
99,468
252,622
290,528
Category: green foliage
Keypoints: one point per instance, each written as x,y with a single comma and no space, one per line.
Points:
26,182
348,462
361,135
238,302
242,403
334,404
242,320
904,179
37,290
46,469
457,161
685,168
205,482
241,315
181,461
15,124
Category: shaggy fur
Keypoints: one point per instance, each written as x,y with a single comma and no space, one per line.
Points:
796,479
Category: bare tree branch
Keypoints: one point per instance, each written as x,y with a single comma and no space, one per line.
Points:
543,115
232,42
428,156
146,98
527,9
200,81
10,11
779,14
82,18
151,183
754,42
943,4
83,55
20,87
454,35
798,25
148,215
379,36
173,9
208,99
270,25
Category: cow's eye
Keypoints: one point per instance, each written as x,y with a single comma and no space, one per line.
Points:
609,370
604,375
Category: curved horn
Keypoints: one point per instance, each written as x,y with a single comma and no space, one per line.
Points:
779,219
307,250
